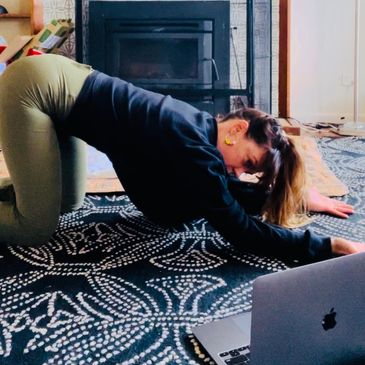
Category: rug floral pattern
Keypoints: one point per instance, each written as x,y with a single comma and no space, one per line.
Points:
111,287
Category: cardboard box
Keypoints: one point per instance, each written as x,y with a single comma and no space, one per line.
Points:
51,37
48,40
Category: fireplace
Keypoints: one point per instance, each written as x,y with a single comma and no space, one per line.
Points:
164,54
213,54
179,48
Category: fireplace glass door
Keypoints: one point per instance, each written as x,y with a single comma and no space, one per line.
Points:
163,56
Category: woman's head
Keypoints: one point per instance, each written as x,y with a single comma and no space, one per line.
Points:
241,153
258,140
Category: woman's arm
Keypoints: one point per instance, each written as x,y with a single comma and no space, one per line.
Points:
316,202
250,196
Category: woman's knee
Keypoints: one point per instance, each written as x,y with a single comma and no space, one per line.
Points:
35,233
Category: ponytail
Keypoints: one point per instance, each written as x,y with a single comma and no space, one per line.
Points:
283,169
286,203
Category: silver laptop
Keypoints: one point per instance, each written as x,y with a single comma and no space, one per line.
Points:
310,315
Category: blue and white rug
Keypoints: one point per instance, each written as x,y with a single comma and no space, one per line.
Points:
111,287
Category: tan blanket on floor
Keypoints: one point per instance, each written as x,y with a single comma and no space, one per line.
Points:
102,181
319,175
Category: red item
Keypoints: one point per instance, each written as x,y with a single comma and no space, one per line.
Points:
33,52
2,47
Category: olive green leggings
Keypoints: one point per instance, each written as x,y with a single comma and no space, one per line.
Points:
47,170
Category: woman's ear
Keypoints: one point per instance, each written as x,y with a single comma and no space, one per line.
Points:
239,126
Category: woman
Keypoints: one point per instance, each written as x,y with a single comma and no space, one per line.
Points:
174,161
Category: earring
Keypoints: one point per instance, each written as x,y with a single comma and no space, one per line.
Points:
228,141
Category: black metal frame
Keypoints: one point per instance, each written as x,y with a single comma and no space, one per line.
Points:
253,92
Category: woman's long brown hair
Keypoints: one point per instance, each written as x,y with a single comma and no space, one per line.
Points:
283,172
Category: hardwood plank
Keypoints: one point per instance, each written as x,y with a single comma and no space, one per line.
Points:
284,58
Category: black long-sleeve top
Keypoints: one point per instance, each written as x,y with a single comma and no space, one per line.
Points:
164,153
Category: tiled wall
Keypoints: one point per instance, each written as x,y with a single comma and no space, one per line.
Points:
65,9
275,56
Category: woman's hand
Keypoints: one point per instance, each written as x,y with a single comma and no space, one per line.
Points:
317,202
341,246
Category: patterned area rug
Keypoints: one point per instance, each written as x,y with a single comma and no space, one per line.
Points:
111,287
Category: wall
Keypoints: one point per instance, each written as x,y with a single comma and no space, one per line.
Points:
275,57
322,59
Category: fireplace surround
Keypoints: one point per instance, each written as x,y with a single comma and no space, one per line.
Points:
183,48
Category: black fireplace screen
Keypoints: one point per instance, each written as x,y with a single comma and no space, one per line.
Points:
180,48
209,79
237,68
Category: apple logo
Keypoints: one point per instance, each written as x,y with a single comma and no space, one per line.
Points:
329,320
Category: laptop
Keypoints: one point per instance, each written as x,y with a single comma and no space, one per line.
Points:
309,315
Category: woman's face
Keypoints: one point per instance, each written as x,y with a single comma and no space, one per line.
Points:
244,155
